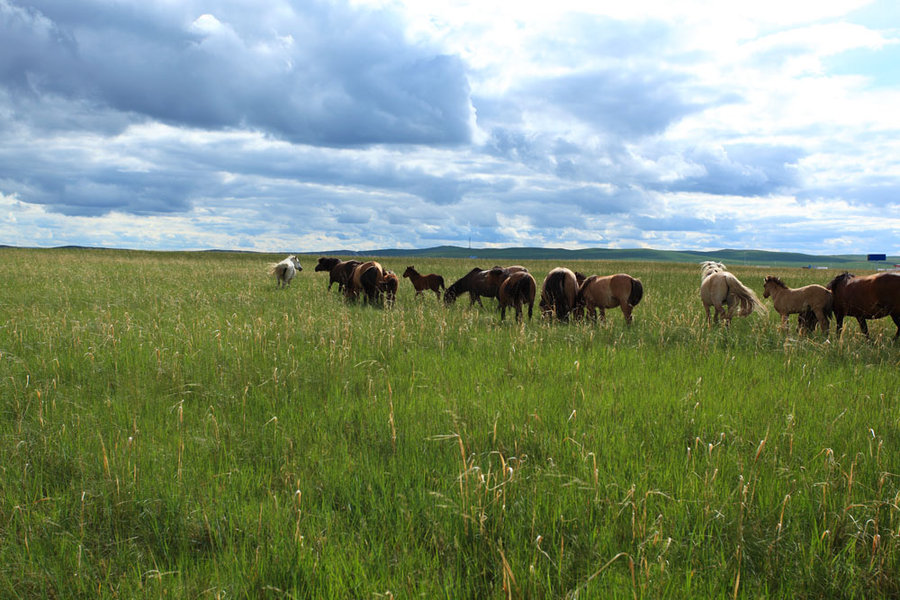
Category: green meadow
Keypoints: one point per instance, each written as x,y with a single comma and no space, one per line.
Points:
172,424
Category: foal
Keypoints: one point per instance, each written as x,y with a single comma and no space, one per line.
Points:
788,301
432,281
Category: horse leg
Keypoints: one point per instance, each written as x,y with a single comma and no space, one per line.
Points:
896,318
602,314
708,317
590,311
720,313
821,320
784,321
863,326
626,311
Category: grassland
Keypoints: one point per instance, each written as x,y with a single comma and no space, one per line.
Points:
173,425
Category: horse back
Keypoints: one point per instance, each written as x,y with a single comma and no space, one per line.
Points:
871,296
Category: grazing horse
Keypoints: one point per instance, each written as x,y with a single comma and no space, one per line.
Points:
718,287
367,278
788,301
558,292
869,297
609,292
517,290
432,281
285,270
478,283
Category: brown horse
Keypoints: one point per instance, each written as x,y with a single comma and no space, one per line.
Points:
366,278
389,286
432,281
608,292
517,290
558,292
718,287
339,271
478,283
869,297
788,301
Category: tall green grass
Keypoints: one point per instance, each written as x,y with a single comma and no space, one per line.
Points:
173,424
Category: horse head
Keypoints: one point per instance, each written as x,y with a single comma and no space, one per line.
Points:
772,282
409,272
326,263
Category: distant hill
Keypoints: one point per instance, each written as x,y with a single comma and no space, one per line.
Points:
731,257
727,256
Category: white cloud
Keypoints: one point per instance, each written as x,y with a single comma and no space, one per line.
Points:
404,123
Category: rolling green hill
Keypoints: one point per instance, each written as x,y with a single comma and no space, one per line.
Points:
728,256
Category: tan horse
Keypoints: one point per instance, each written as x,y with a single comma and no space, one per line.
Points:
718,287
609,292
517,290
367,278
788,301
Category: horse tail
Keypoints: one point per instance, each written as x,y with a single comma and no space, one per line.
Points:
557,290
441,282
748,299
278,269
637,292
520,289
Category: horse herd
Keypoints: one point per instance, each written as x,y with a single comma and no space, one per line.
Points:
565,293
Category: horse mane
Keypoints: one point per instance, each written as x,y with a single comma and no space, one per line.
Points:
839,280
708,267
775,281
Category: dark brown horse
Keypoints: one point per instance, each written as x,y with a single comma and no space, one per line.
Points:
432,281
339,271
558,292
326,263
478,283
517,290
869,297
608,292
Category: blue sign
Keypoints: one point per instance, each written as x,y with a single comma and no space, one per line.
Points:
876,257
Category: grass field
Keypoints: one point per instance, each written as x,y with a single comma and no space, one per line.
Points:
174,425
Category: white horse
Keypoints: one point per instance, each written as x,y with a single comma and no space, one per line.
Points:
285,270
718,287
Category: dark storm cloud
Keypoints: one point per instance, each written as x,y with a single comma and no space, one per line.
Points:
316,72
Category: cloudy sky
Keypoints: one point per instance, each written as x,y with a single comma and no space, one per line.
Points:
308,125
